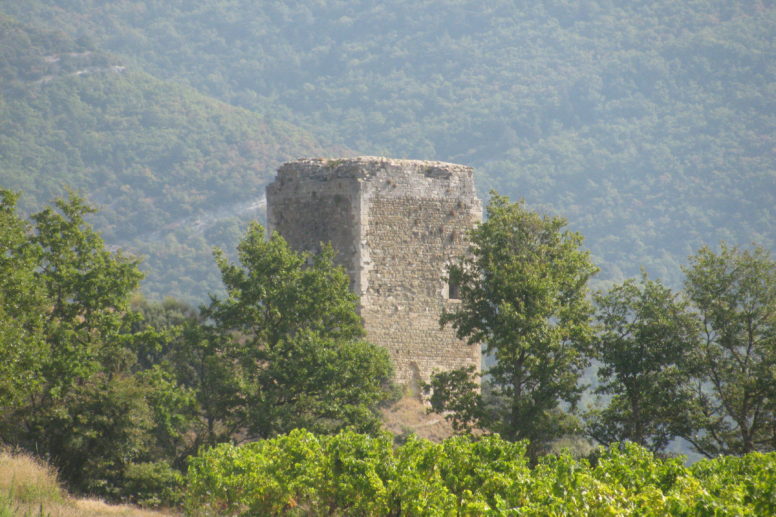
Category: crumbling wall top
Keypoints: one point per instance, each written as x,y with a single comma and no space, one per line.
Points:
367,166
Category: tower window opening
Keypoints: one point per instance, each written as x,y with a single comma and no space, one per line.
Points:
453,290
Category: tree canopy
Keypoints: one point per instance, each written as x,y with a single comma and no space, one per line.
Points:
734,291
523,297
647,336
118,392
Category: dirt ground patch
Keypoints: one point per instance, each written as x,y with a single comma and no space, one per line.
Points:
409,415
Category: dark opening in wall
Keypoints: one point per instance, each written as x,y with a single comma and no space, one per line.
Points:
453,290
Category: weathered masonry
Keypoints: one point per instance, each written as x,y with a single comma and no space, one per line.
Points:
395,224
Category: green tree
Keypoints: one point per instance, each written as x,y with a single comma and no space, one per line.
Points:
275,292
287,333
458,392
90,416
523,295
22,309
168,319
734,292
647,334
208,362
88,288
82,408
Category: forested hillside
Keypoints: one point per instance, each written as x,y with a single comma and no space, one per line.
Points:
650,125
171,169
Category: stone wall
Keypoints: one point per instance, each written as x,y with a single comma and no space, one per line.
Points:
396,225
314,210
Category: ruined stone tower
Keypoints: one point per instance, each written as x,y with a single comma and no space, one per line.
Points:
395,224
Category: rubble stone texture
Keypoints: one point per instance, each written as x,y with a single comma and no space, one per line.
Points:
395,224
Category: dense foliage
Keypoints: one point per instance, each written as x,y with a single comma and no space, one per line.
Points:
290,330
708,350
647,124
352,474
117,394
523,291
69,393
645,342
735,294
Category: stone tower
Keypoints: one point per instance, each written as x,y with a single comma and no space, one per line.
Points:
395,225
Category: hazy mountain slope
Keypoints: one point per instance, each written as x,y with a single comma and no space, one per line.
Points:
650,124
159,159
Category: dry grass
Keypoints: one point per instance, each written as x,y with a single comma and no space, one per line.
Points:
29,487
28,480
409,415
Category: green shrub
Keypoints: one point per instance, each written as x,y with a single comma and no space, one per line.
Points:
354,474
153,484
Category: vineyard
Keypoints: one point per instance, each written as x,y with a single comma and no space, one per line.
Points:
301,473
